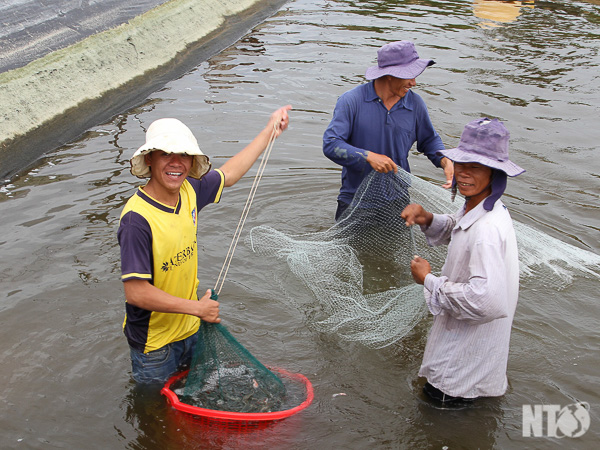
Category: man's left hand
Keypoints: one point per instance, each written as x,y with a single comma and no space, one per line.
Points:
448,167
419,268
279,120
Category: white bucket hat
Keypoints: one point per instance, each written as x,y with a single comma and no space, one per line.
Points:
170,136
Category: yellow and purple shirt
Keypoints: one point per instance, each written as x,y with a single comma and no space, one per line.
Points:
158,244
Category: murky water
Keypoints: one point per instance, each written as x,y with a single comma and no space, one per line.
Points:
65,362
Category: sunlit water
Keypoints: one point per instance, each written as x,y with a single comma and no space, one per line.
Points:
65,362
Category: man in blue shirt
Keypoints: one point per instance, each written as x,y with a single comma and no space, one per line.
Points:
375,124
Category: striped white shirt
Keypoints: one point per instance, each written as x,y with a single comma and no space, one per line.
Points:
473,302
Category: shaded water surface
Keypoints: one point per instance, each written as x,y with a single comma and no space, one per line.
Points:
65,362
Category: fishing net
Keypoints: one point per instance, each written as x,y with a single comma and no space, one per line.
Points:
225,376
358,271
225,382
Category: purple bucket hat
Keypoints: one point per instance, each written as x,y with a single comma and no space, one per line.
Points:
484,141
398,59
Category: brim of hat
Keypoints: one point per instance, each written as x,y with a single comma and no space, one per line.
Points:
200,166
406,71
460,156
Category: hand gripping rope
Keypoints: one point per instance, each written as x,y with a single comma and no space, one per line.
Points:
292,379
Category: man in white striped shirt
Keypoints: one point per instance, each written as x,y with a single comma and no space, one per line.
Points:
474,299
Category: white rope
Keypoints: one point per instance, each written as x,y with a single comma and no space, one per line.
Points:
246,210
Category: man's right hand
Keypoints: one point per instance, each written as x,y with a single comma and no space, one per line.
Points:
415,214
381,163
208,309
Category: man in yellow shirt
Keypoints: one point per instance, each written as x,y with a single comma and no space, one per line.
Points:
157,236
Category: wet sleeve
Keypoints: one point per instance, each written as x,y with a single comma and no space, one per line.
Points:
336,138
135,239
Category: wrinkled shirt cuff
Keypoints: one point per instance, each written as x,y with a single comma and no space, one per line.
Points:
436,226
431,288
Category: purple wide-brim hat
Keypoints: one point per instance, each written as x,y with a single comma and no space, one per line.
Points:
484,141
400,60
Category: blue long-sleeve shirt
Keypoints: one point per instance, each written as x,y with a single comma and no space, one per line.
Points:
362,123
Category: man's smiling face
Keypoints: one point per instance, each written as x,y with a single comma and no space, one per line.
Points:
473,180
400,86
169,170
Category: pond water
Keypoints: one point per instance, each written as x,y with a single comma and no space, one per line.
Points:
65,362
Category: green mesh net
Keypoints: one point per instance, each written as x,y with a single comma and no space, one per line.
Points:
224,376
358,271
